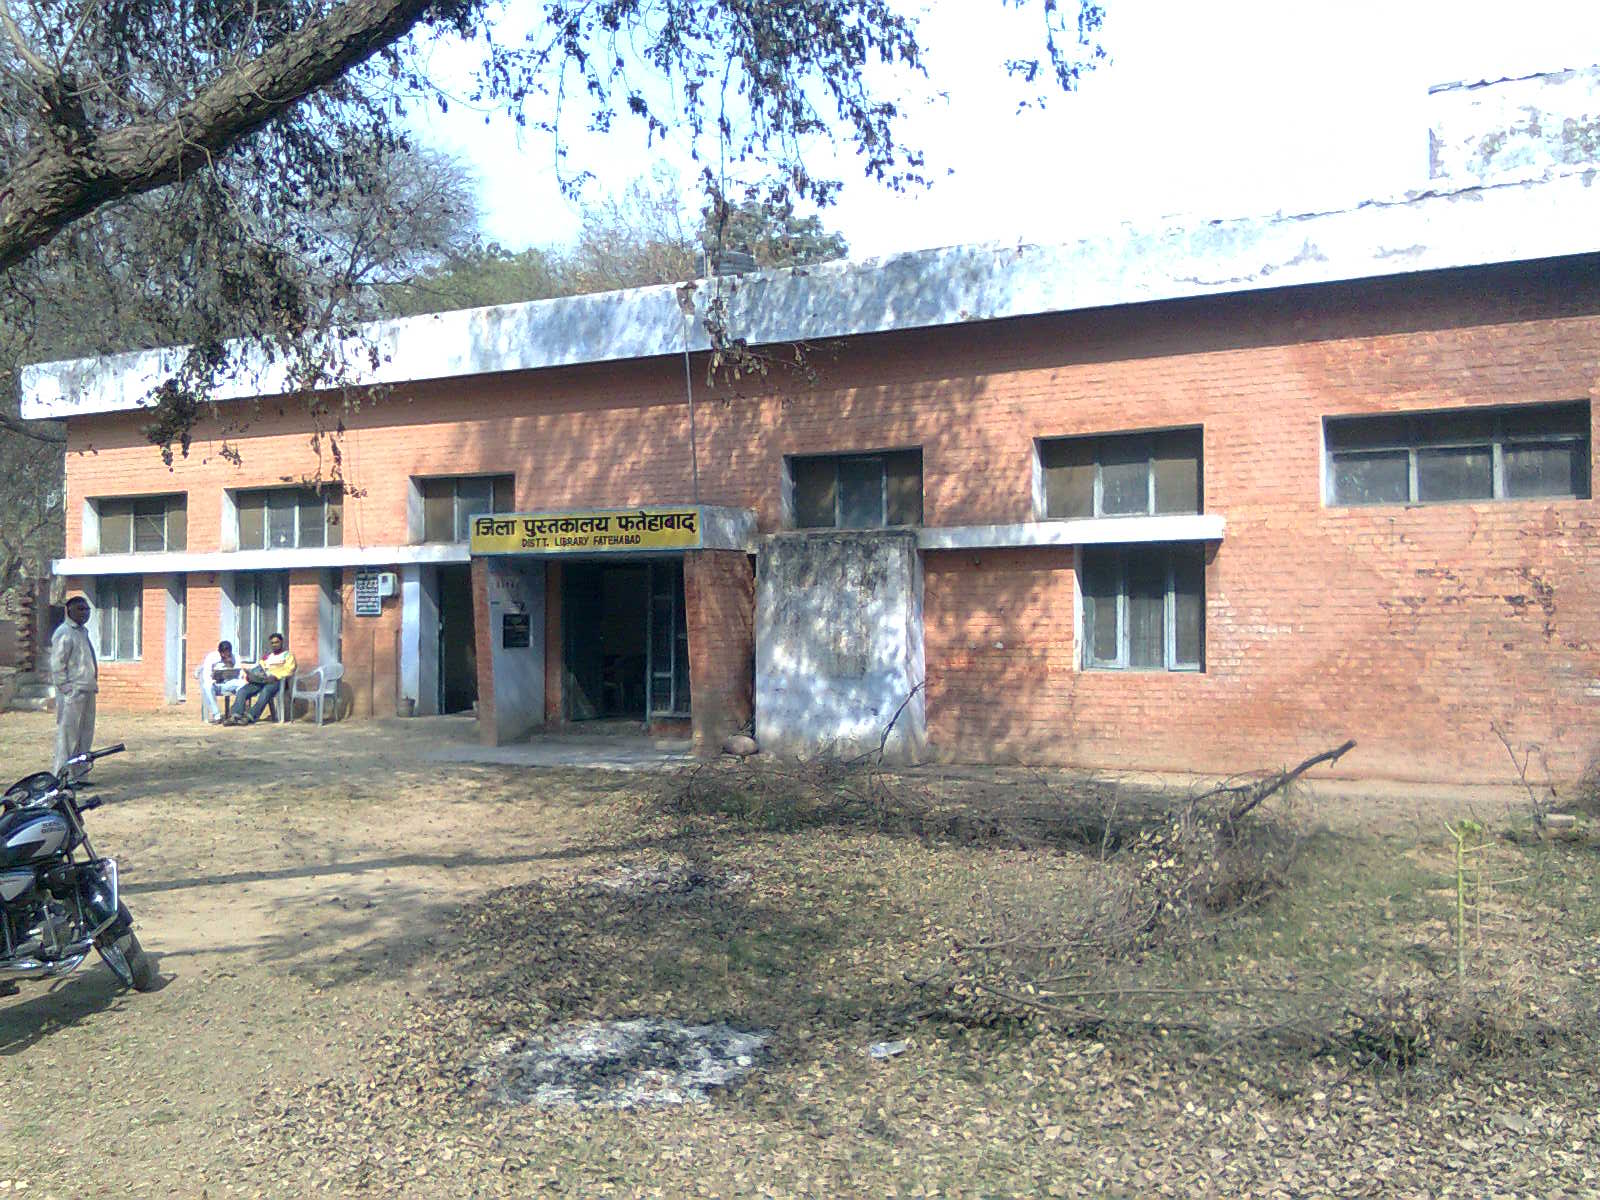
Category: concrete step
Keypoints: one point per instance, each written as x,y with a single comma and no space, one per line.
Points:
34,691
37,704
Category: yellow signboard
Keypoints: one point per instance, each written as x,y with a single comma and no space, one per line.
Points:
587,532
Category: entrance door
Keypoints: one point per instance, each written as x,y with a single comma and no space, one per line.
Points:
606,614
458,643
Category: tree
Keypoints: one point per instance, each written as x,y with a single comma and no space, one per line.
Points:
476,277
769,230
186,267
106,100
634,240
31,516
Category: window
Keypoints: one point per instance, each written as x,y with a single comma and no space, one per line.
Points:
117,617
1143,608
286,518
857,491
143,525
1526,452
448,505
1122,475
260,609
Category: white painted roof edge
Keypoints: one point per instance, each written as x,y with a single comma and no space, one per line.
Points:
1521,220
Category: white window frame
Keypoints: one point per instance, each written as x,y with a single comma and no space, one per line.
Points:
1169,633
1041,474
266,536
97,627
247,614
462,521
881,457
1497,440
93,540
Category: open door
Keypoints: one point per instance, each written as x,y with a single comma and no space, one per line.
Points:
458,641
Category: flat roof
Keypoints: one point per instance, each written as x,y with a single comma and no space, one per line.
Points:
1512,221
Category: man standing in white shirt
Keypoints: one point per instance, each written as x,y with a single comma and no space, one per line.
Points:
76,676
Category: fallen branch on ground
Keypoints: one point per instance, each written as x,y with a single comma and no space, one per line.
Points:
1249,796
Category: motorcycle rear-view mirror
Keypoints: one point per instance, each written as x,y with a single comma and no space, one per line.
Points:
75,768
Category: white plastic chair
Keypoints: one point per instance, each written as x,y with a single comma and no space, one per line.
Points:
199,687
318,684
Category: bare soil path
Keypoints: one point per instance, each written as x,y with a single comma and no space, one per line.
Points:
287,881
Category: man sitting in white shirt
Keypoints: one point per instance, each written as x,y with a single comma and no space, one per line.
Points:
219,676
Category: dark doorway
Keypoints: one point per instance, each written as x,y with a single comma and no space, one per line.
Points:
625,648
607,611
458,644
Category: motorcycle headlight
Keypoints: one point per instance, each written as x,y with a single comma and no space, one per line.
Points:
97,888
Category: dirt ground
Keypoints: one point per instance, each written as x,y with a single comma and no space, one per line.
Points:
287,882
296,887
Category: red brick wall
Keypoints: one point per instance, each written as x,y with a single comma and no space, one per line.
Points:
483,640
719,596
141,684
998,630
305,591
205,618
1408,629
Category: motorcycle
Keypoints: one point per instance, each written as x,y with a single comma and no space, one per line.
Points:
58,898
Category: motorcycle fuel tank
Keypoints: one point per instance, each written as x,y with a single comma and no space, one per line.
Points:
27,837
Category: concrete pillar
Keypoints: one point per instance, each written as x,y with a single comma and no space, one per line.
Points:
176,668
330,617
839,645
554,651
509,596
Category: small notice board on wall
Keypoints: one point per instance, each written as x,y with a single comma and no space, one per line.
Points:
368,599
516,632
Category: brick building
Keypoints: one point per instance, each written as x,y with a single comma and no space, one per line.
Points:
1205,499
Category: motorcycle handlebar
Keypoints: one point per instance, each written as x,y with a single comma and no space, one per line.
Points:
78,764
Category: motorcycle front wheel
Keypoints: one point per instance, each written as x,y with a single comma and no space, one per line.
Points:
124,955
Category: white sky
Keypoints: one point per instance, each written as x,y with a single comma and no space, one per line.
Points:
1220,109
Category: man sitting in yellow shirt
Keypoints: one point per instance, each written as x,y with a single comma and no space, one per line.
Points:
278,667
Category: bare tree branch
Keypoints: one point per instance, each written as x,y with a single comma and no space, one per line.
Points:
1269,787
58,183
42,69
50,432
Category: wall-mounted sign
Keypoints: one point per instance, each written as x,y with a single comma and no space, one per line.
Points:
587,532
368,599
516,631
